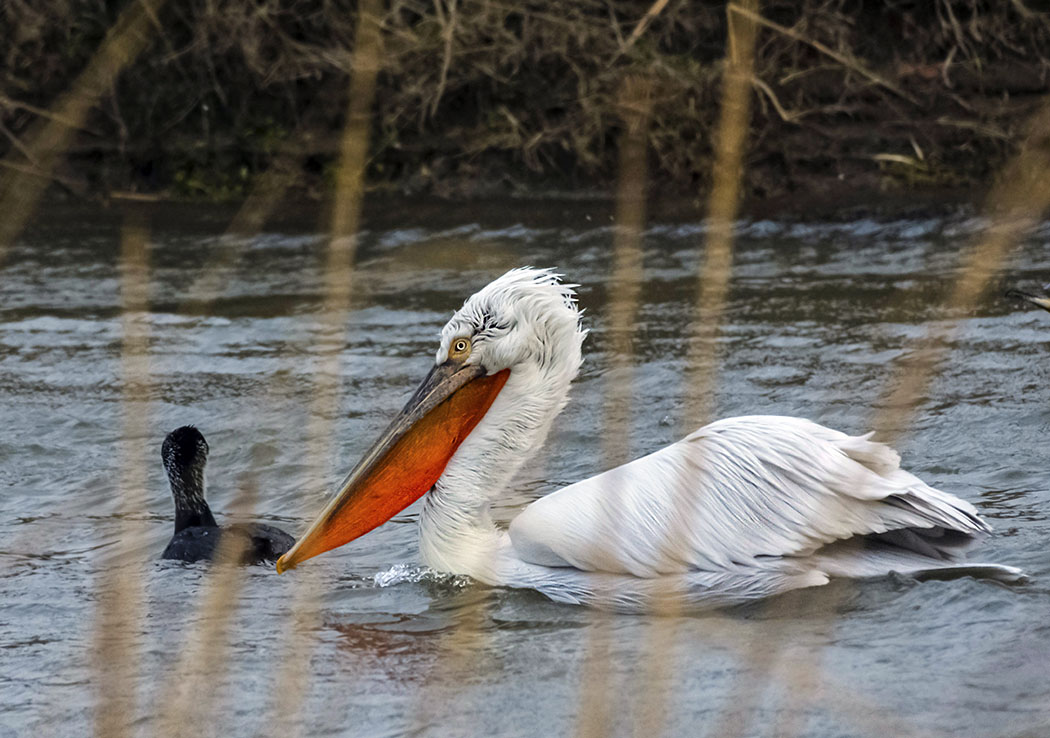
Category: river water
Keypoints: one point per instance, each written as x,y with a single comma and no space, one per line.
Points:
818,313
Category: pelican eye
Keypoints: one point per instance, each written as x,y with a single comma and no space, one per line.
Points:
460,349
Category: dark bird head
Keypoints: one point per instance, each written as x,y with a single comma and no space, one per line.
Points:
185,453
1038,300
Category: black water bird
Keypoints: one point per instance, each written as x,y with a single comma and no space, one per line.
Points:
1038,300
197,535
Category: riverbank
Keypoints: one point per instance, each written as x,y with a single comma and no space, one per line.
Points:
385,212
852,100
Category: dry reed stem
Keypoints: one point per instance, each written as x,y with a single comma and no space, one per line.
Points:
802,685
448,32
762,657
17,143
20,191
746,11
293,676
345,222
723,204
192,692
764,662
754,673
625,286
9,102
594,715
654,10
1021,197
764,649
865,714
751,679
801,677
31,170
121,585
264,197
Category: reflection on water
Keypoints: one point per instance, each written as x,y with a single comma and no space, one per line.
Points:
817,313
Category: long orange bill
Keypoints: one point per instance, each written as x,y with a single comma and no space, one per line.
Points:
407,459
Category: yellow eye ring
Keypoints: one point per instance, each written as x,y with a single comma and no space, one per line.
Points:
459,348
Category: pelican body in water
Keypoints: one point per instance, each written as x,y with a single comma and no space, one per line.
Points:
185,454
739,509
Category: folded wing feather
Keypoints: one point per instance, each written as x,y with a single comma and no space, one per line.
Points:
756,491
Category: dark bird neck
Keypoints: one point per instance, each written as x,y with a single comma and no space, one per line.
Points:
192,518
190,507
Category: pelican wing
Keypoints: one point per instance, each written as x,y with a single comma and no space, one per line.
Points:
746,492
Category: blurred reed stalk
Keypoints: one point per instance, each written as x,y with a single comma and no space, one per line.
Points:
722,209
635,108
194,696
48,141
120,584
702,362
1018,199
191,695
293,678
760,656
594,718
248,221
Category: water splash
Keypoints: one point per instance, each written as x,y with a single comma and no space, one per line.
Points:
412,574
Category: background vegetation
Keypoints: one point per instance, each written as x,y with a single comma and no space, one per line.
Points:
478,97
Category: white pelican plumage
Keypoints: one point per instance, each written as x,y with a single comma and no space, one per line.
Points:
741,508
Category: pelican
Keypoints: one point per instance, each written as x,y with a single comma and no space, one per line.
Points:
740,509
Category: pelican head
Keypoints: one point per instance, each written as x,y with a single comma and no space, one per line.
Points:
501,374
1038,300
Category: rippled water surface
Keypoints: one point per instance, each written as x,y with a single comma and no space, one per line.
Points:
817,315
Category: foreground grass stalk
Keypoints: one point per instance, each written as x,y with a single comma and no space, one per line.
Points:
20,191
723,207
703,356
293,678
263,199
463,646
1018,200
597,702
120,584
191,696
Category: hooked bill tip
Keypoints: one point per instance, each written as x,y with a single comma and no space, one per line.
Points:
282,565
